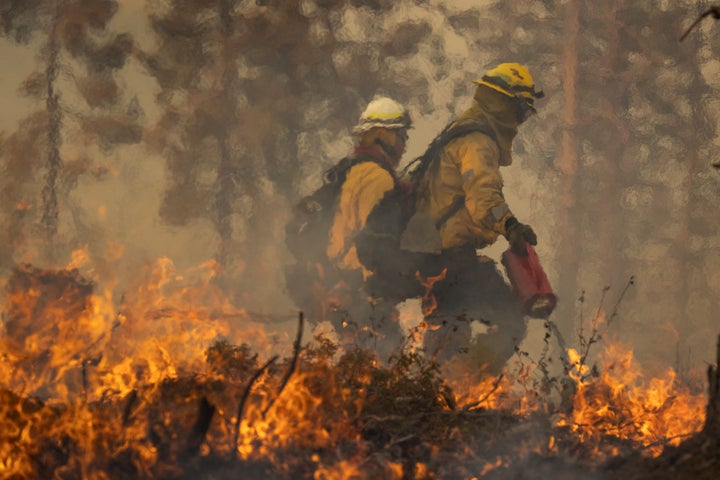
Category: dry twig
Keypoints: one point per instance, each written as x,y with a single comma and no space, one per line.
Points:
496,385
206,410
712,416
246,394
714,11
597,333
293,363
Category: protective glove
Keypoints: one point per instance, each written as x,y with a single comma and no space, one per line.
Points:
519,235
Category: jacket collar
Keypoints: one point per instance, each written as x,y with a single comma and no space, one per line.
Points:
499,112
377,154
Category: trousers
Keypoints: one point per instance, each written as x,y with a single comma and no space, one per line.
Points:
472,290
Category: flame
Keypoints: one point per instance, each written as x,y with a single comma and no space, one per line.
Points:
621,403
428,302
23,205
104,374
490,466
67,345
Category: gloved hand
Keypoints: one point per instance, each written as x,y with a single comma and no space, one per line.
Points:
518,235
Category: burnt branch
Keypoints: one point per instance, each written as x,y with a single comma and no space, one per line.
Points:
293,363
246,394
712,416
495,386
714,11
202,423
130,405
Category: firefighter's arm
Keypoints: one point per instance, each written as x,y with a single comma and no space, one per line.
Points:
477,159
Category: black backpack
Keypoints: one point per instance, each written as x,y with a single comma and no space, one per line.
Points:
307,230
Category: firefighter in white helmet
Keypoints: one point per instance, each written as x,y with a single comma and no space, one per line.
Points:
381,134
331,285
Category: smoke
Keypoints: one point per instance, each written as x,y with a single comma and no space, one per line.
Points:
243,104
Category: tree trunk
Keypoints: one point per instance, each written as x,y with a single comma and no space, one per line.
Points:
694,136
609,222
224,184
54,162
567,163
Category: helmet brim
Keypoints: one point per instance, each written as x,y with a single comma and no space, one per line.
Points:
366,127
510,91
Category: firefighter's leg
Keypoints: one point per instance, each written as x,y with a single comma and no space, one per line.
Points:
448,331
368,323
349,320
496,305
445,338
305,292
386,336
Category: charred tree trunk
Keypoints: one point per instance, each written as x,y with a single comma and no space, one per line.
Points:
567,163
712,415
223,202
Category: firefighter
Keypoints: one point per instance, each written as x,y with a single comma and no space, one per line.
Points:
367,317
461,194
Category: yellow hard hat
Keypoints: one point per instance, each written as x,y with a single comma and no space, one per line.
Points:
512,79
383,112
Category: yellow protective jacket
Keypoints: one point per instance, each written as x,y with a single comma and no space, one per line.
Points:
468,167
366,184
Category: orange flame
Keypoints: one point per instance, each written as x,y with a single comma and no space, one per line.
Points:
429,303
621,403
69,350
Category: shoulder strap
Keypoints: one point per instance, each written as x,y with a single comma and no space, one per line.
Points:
448,134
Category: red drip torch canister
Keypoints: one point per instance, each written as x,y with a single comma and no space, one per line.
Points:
530,283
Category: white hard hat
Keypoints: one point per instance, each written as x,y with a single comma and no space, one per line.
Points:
383,112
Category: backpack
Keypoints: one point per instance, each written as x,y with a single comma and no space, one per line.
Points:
313,275
312,216
307,231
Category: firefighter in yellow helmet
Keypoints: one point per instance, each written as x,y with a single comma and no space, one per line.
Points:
381,135
460,193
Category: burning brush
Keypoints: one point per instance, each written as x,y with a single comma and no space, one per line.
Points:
187,395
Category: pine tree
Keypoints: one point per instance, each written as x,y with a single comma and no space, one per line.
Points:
78,56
